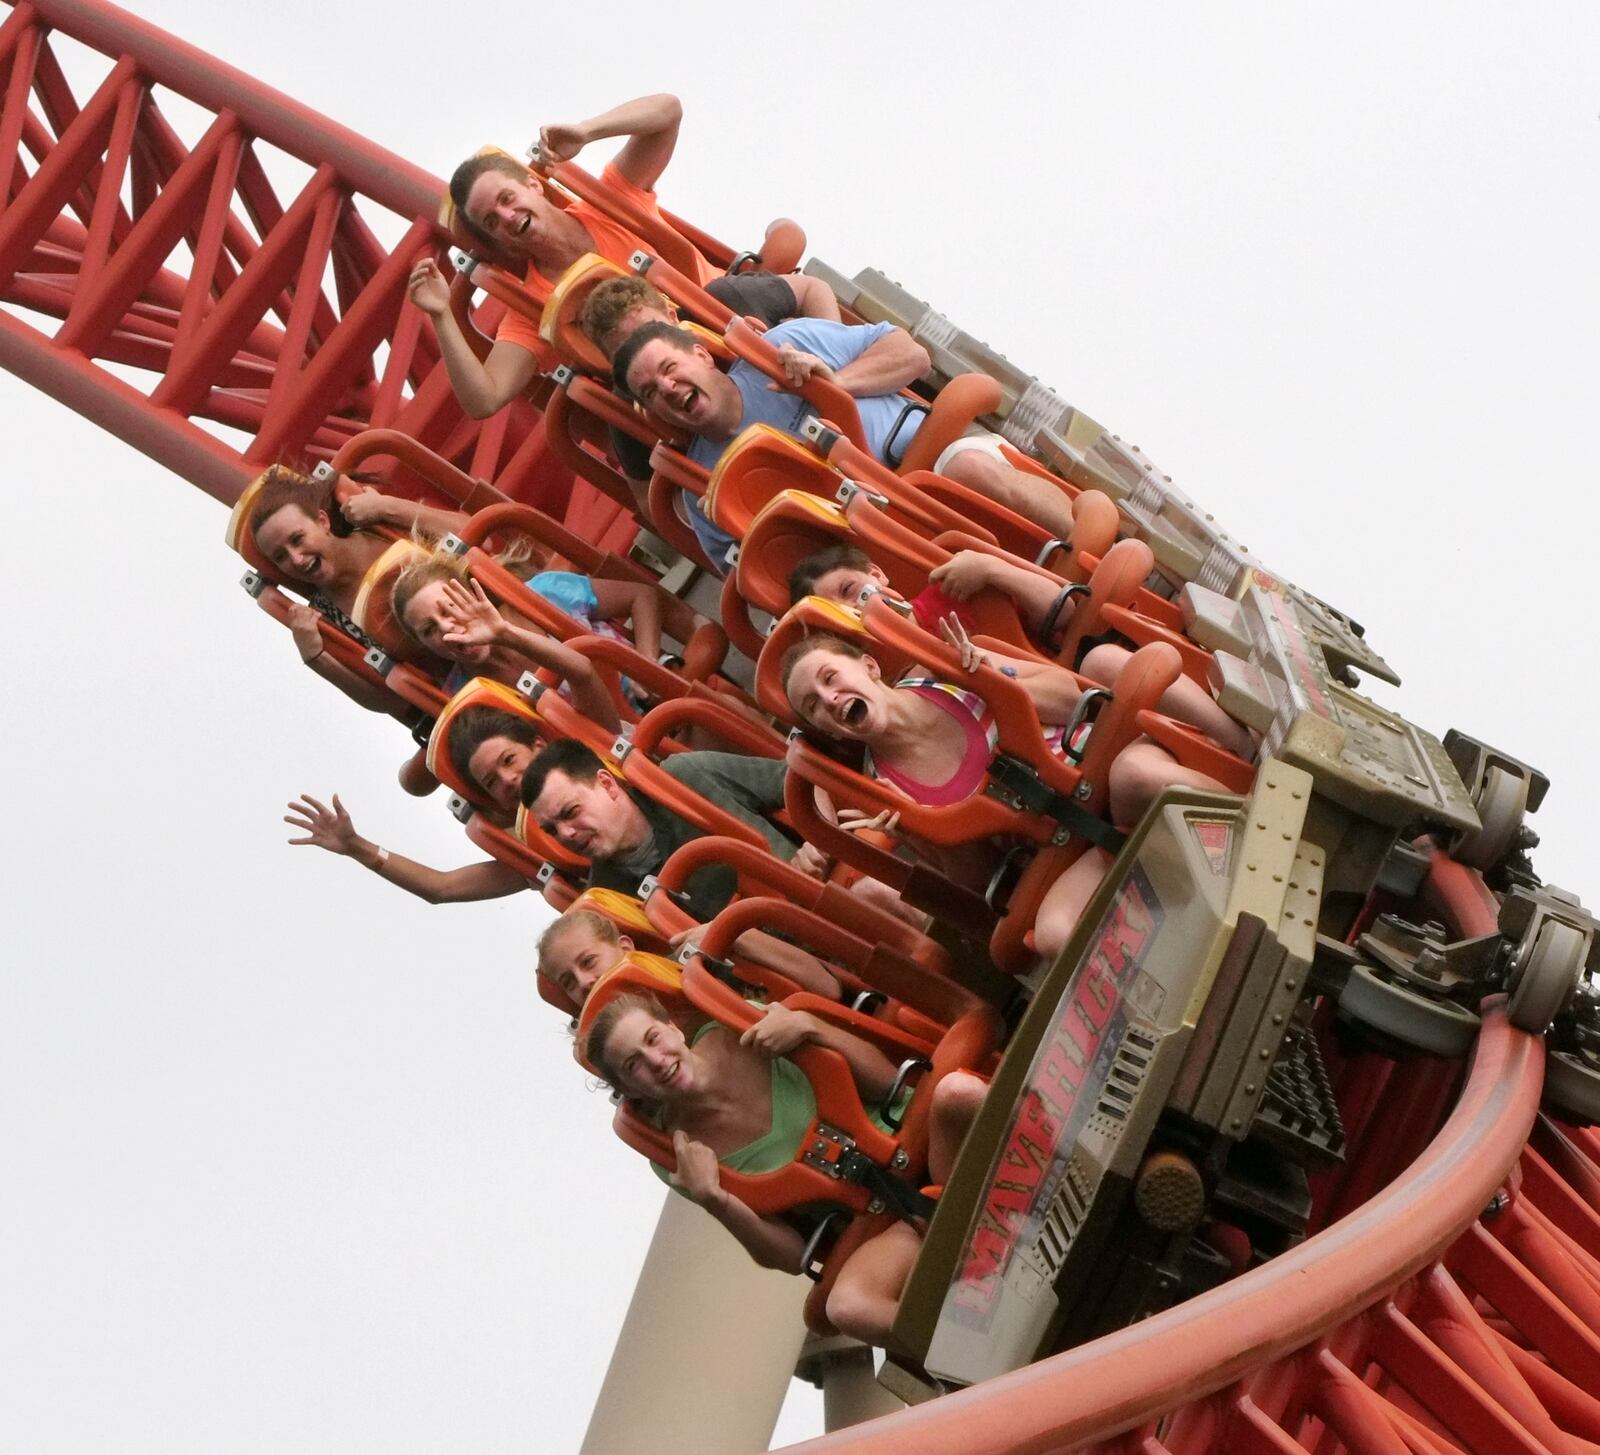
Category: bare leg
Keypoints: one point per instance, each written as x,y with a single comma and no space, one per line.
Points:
1032,498
1064,901
956,1100
867,1291
1185,700
1140,772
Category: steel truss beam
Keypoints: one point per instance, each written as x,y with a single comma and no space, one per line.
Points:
189,290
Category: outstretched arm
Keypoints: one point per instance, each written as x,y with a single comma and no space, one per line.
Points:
481,385
477,621
331,829
650,123
773,1244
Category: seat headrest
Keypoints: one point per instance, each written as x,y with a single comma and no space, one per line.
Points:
559,325
373,611
761,462
792,525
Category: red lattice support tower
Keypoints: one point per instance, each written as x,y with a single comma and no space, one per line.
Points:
185,268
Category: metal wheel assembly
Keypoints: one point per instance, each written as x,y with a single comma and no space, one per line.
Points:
1438,1027
1501,801
1546,975
1572,1088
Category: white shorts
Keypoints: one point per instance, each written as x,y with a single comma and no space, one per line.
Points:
978,439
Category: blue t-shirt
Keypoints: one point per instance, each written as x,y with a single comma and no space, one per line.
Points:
836,344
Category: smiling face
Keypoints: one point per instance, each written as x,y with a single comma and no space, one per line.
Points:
427,617
845,584
649,1058
299,544
577,957
684,388
597,820
839,696
497,765
511,211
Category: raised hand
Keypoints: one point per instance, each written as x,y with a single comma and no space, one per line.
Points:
428,289
956,634
472,620
698,1176
305,626
327,828
561,142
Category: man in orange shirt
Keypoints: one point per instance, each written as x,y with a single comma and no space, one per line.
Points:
498,200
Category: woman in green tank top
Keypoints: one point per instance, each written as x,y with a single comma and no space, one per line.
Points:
739,1102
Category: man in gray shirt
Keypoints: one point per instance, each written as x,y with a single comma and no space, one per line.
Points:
625,836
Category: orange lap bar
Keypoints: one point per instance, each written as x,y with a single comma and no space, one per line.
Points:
761,874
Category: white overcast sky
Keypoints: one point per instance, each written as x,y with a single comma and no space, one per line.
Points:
294,1162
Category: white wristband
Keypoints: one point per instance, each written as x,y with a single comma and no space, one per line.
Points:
383,857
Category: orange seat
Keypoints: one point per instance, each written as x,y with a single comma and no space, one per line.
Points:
373,611
559,324
626,913
641,972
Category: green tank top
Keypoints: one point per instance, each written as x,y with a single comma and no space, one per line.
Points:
794,1108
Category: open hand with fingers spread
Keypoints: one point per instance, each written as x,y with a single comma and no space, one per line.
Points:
327,828
473,620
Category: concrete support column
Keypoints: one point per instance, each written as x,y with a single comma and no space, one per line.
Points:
847,1374
705,1355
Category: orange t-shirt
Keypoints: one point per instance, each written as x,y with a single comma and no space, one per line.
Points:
612,241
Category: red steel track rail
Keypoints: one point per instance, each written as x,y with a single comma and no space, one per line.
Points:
1457,1310
208,298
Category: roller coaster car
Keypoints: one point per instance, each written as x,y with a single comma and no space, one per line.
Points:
1164,1091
